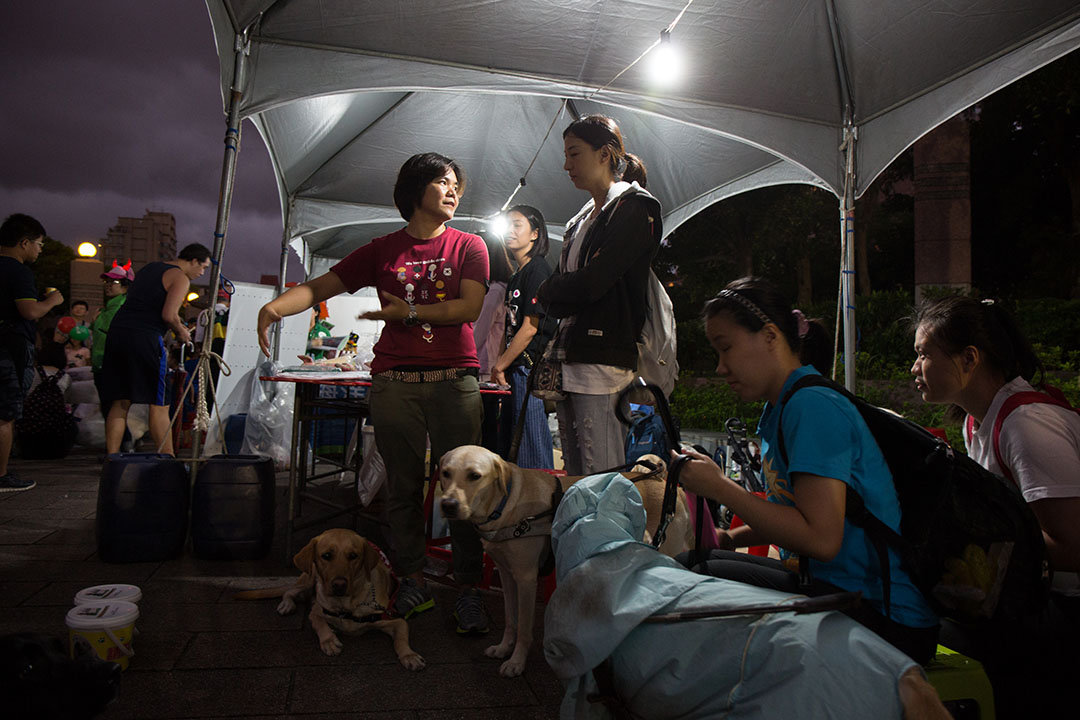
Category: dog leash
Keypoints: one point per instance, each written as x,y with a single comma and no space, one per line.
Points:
799,606
667,508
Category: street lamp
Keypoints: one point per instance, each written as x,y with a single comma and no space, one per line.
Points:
87,250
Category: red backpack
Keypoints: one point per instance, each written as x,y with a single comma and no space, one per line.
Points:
1049,395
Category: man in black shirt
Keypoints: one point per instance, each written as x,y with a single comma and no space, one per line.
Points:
21,240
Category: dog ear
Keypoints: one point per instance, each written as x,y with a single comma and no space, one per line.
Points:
371,557
505,471
305,559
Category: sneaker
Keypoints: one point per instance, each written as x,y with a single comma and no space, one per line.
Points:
412,598
13,483
471,613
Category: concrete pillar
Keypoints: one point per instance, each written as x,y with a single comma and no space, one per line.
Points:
943,208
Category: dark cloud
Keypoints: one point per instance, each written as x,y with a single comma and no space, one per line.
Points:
113,108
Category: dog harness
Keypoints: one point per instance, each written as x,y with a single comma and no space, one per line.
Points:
527,526
384,613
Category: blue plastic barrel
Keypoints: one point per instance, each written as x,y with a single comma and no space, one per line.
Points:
232,508
142,508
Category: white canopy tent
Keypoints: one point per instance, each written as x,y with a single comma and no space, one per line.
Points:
826,92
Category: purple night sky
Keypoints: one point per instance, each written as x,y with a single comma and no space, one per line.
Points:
113,108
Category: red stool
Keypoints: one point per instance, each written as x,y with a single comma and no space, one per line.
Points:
759,550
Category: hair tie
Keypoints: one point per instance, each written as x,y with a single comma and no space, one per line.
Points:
801,323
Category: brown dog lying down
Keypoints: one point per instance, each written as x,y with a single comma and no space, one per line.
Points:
353,591
512,508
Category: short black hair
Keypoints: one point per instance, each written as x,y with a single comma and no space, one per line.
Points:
414,176
195,251
19,227
81,302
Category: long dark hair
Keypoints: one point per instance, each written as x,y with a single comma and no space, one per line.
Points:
599,131
536,222
499,269
752,302
957,321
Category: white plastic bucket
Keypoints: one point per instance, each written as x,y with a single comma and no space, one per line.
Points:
104,593
108,626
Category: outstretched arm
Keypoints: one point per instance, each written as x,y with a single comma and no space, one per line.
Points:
295,300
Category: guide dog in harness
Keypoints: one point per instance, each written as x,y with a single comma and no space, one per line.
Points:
512,508
353,591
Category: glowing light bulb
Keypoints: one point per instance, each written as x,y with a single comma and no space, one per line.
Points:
87,250
192,296
498,225
665,62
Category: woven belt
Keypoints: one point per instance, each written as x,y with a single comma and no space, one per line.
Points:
419,376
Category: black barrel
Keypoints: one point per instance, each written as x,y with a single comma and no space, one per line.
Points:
232,508
142,508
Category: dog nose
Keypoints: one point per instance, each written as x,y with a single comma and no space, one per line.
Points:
449,507
338,587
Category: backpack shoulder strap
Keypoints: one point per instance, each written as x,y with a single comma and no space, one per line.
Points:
878,533
1011,403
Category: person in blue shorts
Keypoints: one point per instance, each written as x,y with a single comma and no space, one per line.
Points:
21,240
763,348
135,362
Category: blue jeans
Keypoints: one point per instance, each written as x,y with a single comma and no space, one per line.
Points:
535,450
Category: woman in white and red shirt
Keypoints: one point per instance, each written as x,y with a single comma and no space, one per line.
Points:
432,280
972,354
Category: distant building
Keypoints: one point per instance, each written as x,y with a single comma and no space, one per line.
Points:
142,240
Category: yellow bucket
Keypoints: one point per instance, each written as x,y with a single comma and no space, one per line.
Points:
109,627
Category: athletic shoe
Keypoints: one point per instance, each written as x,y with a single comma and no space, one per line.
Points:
471,613
13,483
412,598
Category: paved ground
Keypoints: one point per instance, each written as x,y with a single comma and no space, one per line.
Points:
200,654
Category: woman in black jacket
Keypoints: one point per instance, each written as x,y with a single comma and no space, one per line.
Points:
599,291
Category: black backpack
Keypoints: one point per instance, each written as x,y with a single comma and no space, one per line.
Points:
968,540
46,429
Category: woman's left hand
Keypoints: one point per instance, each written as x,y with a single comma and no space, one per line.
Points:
700,475
394,308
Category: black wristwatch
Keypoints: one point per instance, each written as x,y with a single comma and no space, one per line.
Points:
411,319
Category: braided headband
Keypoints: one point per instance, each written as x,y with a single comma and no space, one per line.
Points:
746,303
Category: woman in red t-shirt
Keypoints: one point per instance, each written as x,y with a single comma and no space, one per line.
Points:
432,280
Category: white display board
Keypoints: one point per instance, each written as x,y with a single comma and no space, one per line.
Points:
242,353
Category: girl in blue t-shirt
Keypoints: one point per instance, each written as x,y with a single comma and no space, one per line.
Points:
763,348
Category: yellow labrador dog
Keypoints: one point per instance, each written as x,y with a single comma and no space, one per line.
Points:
353,590
512,508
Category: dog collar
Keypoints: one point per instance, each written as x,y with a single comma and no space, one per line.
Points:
345,615
498,511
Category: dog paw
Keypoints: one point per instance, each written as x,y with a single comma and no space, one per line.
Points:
286,607
412,662
513,667
498,651
331,645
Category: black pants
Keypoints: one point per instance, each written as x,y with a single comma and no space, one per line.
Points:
920,644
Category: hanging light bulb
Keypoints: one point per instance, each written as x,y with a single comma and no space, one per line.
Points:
664,61
497,225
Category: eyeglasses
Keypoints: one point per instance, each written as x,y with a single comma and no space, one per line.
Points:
111,282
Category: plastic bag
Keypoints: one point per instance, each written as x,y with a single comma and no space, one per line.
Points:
373,470
269,424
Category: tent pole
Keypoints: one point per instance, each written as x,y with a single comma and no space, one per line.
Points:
228,175
847,247
279,327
